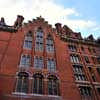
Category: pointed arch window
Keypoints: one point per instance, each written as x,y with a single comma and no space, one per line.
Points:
22,82
28,40
51,64
53,85
39,40
38,83
25,60
49,44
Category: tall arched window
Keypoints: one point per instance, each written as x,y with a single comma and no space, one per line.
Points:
25,60
39,40
28,40
38,83
49,44
22,82
53,85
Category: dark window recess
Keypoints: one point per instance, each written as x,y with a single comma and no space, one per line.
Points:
72,47
92,74
53,85
93,59
98,89
98,60
90,69
85,91
79,73
75,58
98,70
86,59
38,83
82,48
22,83
94,51
89,49
94,78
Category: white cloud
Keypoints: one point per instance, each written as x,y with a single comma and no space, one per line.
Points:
47,8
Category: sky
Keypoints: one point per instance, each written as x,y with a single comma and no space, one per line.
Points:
80,15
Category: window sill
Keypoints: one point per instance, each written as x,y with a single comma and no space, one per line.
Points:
22,66
27,48
82,81
19,93
96,83
33,94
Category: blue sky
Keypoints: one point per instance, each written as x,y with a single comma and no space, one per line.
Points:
80,15
88,9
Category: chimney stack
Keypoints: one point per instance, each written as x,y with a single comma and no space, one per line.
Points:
58,27
2,21
18,22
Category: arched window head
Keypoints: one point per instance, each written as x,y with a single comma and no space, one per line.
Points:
49,44
28,40
39,40
53,85
22,82
38,83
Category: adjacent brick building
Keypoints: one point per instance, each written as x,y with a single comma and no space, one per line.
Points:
38,62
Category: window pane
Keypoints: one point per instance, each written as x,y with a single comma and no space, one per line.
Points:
38,84
72,48
28,41
74,58
79,73
39,41
51,65
22,83
25,60
53,86
38,62
49,44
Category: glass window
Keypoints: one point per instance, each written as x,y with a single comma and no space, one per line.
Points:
53,85
92,74
72,48
74,58
49,44
51,64
86,59
22,83
39,41
25,60
85,91
79,73
28,41
38,83
38,62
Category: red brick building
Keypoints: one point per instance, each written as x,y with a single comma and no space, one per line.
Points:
38,62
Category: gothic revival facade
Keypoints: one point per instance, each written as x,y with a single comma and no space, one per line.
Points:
38,62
